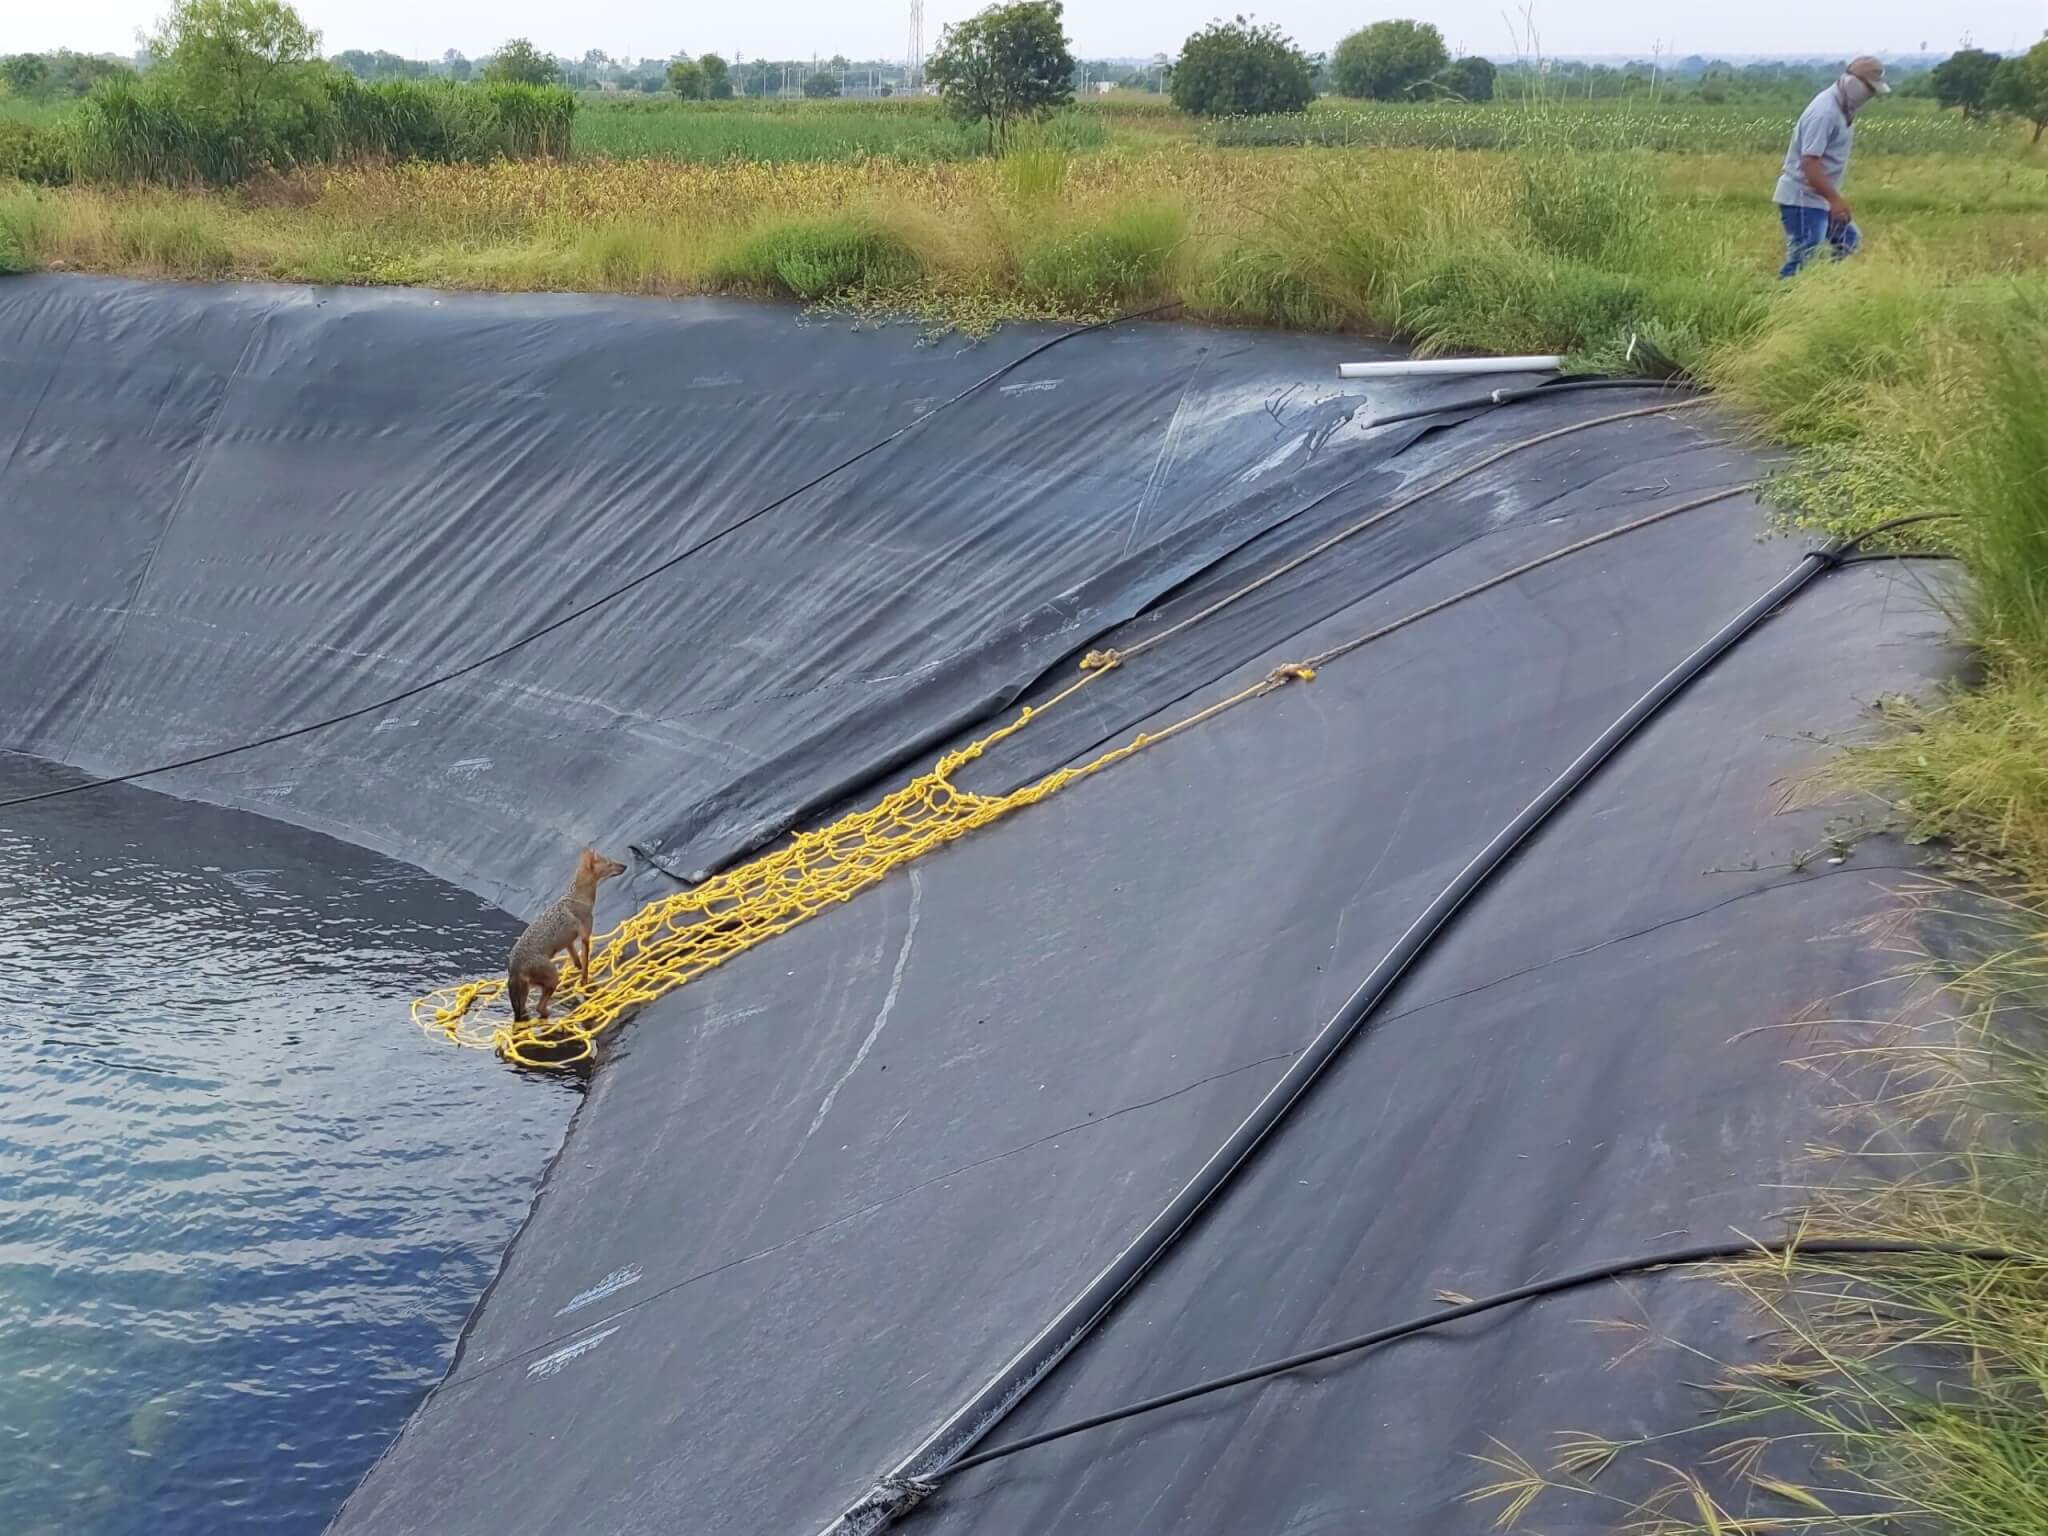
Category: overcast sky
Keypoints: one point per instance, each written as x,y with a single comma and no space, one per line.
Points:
1099,28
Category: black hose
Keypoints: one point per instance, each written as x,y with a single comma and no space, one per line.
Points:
1707,1253
952,1440
1838,552
1500,397
1898,554
602,598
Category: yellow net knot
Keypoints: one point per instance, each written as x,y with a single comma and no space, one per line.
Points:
1100,661
1293,672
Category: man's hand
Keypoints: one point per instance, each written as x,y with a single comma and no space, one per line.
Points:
1817,178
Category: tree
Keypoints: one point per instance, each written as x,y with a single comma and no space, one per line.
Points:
246,74
1233,67
520,63
233,46
1963,79
1469,79
456,66
821,84
1386,60
717,77
1010,62
2020,86
686,78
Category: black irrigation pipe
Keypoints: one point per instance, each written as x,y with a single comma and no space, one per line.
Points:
1898,554
903,1485
1705,1253
1841,549
583,609
1499,397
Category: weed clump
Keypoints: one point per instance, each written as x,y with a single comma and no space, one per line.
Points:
1122,262
818,260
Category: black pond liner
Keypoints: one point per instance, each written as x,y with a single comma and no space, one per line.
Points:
817,1198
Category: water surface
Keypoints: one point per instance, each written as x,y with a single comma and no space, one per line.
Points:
244,1204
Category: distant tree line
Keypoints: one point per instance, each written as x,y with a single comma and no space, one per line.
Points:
58,76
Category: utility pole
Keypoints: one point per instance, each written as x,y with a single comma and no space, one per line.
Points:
914,57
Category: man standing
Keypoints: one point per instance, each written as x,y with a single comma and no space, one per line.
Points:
1809,191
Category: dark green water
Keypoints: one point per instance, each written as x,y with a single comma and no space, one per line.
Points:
244,1204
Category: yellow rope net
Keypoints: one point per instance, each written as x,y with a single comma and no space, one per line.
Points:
672,942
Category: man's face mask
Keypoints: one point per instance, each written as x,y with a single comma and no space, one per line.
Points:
1854,91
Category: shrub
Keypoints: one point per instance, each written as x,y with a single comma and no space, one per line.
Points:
686,78
1231,68
1469,79
29,153
520,63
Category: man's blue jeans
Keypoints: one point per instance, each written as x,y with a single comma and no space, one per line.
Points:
1805,229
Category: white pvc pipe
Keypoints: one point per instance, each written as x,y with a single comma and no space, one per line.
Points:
1427,365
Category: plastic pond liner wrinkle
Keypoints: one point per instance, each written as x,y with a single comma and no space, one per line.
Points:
816,1195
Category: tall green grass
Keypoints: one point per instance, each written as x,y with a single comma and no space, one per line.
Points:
1563,253
819,260
138,132
1123,262
27,218
1913,1388
1971,766
174,241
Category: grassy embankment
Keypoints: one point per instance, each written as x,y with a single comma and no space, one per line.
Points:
1914,380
